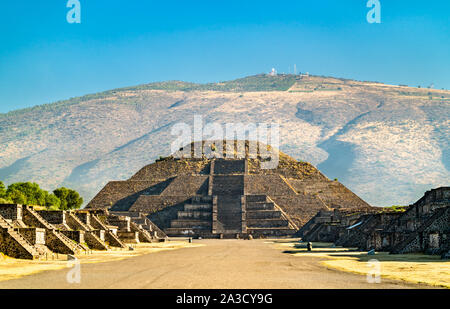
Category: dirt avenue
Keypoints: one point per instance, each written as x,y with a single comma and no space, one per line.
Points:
219,264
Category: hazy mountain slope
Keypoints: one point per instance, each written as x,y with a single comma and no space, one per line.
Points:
386,143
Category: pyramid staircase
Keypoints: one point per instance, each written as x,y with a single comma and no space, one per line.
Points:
91,239
149,226
415,236
54,239
357,236
15,245
144,236
228,167
194,219
312,223
141,220
311,234
227,212
112,239
226,217
266,218
229,189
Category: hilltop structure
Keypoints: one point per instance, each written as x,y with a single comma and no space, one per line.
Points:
226,195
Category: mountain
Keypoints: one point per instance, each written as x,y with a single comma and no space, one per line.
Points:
386,143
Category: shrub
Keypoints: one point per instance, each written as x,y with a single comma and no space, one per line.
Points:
70,199
5,201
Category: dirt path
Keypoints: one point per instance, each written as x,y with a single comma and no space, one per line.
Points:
218,264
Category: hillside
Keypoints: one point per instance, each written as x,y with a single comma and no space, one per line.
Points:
388,144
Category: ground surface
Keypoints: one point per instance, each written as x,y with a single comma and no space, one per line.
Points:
413,268
217,264
11,268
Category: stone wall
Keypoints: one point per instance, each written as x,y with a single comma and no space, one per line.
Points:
167,169
129,237
35,236
121,195
187,185
300,208
11,211
55,244
74,223
122,222
77,236
53,216
11,247
94,242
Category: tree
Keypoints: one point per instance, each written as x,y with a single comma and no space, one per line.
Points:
70,199
16,196
52,200
4,199
32,193
2,190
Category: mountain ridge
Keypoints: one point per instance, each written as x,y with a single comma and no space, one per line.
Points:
372,136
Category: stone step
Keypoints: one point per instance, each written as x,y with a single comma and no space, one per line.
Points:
131,214
270,232
94,242
222,166
263,214
188,232
227,185
75,223
194,214
259,206
267,223
75,247
229,233
32,218
30,252
191,224
144,236
197,207
140,221
113,240
229,212
229,217
256,198
201,199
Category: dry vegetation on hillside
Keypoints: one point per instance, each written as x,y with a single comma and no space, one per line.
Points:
386,143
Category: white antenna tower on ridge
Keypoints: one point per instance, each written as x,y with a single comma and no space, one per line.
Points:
295,69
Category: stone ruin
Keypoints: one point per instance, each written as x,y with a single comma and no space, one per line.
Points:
27,233
226,195
423,227
223,197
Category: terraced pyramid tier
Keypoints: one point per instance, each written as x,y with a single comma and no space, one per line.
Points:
229,193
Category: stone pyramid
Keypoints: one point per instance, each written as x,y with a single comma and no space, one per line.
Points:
200,191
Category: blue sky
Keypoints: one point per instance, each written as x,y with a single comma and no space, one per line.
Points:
122,43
